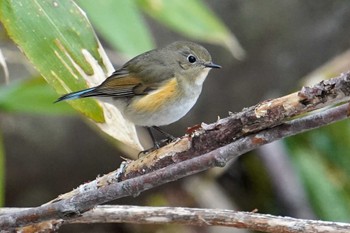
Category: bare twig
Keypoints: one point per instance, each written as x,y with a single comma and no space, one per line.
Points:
209,146
202,217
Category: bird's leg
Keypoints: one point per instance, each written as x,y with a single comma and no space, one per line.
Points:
167,135
157,144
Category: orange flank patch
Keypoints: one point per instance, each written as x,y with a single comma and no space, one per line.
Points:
158,98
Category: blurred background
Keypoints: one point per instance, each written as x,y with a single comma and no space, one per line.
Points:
50,149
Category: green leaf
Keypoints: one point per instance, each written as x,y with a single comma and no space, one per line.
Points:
31,96
121,24
53,35
193,19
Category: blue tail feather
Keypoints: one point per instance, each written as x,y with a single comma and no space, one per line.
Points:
76,95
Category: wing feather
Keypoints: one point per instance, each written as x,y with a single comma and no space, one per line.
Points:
122,84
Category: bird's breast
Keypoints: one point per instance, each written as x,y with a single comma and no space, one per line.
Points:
162,106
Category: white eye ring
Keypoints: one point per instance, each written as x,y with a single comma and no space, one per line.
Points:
191,58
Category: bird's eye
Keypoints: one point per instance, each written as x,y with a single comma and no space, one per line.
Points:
191,59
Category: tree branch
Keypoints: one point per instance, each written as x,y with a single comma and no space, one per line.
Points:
202,217
205,147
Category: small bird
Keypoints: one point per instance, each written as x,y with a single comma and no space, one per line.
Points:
157,87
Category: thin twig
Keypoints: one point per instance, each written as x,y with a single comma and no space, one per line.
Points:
201,217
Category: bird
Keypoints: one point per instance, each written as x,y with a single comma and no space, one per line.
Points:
155,88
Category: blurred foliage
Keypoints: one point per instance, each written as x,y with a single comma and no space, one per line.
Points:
194,20
320,157
31,96
121,24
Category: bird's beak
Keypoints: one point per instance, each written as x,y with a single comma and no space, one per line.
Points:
212,65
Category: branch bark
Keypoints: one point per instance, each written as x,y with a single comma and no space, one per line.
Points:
205,147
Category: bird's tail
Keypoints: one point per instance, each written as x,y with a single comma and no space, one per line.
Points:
78,94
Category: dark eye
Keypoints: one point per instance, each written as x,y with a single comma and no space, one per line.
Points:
191,59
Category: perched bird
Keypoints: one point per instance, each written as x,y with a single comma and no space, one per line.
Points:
157,87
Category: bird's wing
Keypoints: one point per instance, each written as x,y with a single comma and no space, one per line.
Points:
122,84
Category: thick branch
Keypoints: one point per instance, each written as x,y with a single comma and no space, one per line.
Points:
208,146
202,217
